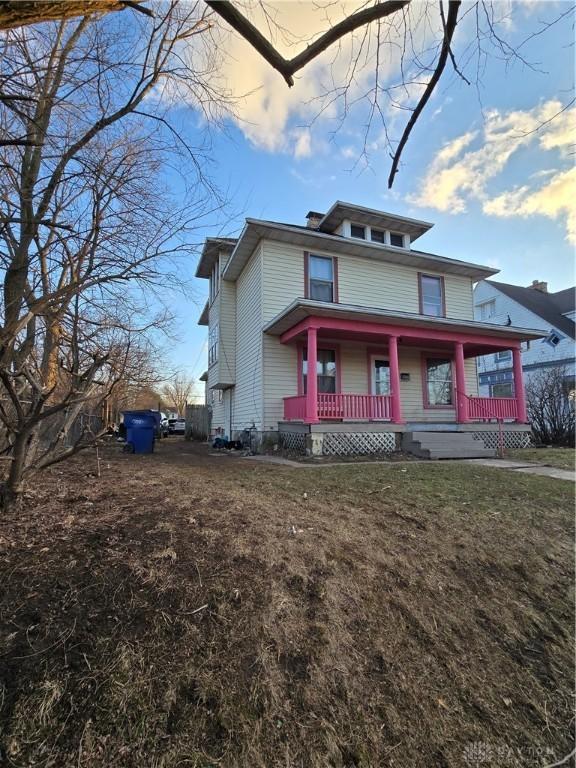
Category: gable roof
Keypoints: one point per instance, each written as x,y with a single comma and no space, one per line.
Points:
548,306
565,300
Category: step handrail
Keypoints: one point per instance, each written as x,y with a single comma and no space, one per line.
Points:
489,415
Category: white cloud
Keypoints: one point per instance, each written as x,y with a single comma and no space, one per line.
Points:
556,199
266,110
465,167
303,143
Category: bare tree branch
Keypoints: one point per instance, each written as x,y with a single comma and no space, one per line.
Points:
449,28
288,67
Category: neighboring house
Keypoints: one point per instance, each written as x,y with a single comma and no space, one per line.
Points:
388,328
552,313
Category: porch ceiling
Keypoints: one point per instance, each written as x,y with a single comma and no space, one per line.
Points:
346,321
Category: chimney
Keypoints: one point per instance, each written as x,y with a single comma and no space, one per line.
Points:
313,218
538,285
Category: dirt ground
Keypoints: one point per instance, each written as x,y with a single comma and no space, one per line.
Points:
193,610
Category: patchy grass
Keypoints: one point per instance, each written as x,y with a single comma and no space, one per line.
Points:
186,611
562,458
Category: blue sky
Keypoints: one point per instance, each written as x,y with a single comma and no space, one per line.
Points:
498,185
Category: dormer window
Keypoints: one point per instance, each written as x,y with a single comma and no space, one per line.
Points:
378,236
358,231
397,239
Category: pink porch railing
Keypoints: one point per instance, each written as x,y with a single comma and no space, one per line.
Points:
295,408
341,406
484,408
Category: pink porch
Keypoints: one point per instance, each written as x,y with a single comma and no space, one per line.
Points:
313,407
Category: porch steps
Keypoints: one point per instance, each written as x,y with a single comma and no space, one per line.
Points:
445,445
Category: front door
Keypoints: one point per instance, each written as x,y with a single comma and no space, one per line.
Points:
380,375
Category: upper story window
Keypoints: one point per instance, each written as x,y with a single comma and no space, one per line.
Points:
503,357
378,236
358,231
214,282
487,309
397,239
213,335
321,271
432,300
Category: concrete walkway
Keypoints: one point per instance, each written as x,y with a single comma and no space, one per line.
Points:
529,469
515,466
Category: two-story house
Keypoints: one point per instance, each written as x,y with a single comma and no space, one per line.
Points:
388,330
553,313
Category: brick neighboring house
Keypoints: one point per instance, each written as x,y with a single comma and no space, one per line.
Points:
553,313
388,328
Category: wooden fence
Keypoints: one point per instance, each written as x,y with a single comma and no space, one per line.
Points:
197,422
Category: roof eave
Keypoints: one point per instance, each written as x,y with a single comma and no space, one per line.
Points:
342,245
204,318
210,251
417,226
309,308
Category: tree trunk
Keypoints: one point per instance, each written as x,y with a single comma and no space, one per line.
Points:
11,489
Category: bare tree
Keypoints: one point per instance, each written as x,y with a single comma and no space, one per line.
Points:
87,227
178,392
551,401
19,13
420,38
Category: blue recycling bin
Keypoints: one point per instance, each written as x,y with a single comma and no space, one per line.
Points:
140,430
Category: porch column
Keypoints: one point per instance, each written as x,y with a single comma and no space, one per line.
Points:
394,379
461,399
312,378
522,416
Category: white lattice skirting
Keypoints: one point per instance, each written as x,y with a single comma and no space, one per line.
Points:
293,442
351,443
511,439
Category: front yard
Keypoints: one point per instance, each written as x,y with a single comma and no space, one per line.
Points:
188,610
562,458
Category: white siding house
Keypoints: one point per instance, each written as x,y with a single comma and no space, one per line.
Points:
389,329
533,307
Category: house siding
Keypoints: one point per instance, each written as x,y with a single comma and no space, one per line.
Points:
362,282
248,400
540,354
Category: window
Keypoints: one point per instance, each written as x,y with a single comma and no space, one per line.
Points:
503,357
325,370
377,236
214,282
213,336
321,277
554,338
397,239
504,389
432,296
525,346
438,383
487,309
357,231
